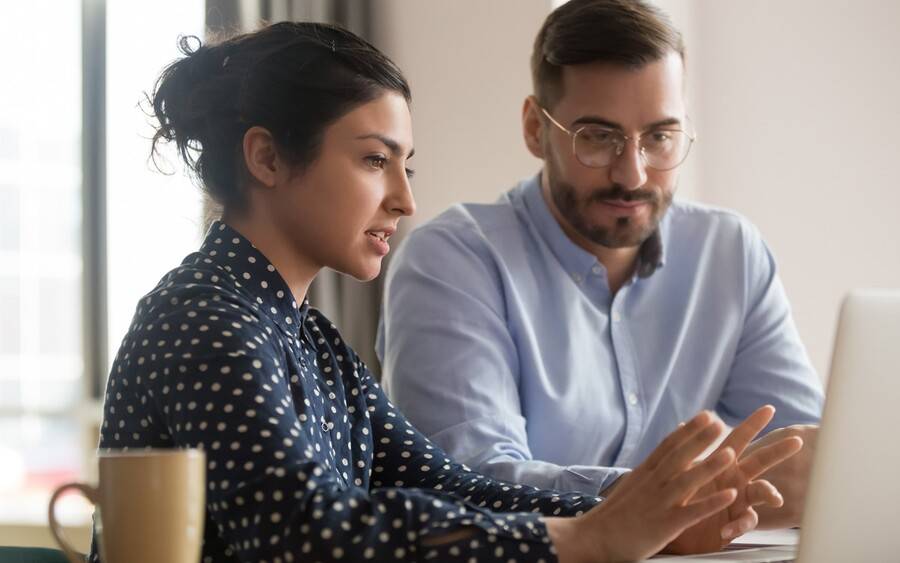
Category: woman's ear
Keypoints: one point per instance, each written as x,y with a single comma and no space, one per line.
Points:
532,126
261,156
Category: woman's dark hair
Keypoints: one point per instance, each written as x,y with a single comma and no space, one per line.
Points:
293,79
631,33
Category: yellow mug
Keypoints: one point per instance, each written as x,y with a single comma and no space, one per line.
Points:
150,507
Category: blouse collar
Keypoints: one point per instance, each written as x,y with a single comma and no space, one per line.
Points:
254,275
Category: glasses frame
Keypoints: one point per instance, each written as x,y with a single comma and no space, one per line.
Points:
621,149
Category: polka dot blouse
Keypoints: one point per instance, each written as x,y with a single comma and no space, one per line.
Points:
307,459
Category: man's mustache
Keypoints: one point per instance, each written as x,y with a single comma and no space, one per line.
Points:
618,193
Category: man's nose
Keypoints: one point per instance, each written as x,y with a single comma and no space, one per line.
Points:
629,169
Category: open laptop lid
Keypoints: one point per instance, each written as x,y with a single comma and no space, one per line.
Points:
853,501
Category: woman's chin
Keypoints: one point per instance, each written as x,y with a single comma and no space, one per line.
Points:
362,266
366,271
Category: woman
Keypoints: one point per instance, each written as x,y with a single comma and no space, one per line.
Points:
302,133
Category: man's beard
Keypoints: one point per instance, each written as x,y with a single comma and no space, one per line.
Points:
624,232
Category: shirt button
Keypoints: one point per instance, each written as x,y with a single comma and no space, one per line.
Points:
597,270
324,427
632,399
577,278
616,317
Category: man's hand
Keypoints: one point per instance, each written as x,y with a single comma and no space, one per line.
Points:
790,477
717,531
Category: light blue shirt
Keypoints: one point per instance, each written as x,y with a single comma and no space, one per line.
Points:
500,340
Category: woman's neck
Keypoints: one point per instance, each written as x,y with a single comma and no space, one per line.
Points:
296,269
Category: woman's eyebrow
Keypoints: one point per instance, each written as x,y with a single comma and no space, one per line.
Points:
391,144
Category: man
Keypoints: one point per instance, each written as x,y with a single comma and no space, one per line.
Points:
554,337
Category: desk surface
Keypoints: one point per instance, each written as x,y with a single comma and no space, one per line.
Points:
786,538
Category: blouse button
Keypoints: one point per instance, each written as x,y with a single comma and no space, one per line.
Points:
324,427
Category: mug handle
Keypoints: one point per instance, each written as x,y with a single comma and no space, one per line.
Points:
91,494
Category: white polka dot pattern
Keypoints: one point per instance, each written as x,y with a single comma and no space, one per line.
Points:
307,459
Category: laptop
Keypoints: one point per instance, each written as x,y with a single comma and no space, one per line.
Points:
853,500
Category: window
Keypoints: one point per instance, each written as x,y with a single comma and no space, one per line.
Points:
47,413
41,368
154,214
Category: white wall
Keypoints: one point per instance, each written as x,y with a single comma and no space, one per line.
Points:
795,104
467,62
800,128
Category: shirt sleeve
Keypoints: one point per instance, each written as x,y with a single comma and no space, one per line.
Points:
450,362
771,364
271,496
397,439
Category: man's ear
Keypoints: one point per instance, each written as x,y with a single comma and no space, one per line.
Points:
261,156
532,126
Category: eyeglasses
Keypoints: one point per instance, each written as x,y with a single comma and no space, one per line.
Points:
596,146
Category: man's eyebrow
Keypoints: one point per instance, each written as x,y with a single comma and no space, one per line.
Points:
595,120
391,144
663,123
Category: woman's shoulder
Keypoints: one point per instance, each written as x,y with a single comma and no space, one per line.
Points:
199,295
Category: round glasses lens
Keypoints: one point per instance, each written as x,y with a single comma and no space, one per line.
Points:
597,146
665,149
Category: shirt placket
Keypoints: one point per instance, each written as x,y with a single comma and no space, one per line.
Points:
623,348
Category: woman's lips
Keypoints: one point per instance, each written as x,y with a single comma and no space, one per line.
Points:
378,241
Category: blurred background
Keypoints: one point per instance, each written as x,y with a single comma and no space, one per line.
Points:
794,102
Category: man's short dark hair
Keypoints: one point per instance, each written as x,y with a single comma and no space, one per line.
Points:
627,32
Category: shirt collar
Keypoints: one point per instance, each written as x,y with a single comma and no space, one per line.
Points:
255,276
575,260
652,254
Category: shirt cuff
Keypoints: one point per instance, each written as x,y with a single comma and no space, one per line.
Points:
610,478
